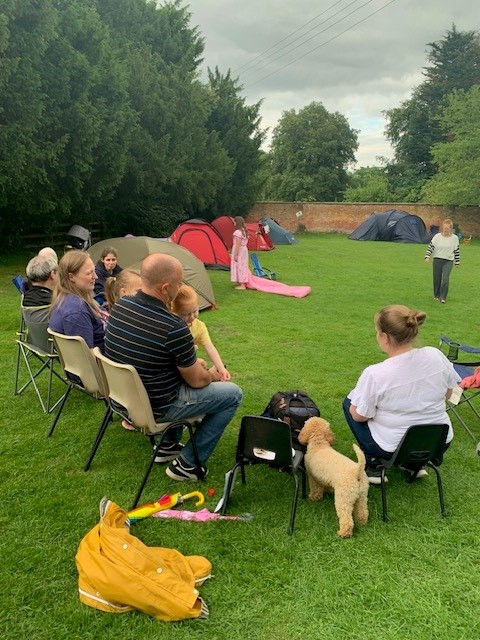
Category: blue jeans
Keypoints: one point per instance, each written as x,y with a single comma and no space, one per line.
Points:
218,401
363,436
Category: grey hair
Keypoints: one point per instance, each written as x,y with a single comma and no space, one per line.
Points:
40,267
48,252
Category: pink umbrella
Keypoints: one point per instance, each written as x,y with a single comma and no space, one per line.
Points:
204,515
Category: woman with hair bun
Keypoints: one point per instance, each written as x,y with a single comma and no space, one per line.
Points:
409,387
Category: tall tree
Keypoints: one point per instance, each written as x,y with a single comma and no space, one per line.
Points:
176,166
310,153
368,184
26,31
458,179
413,127
237,126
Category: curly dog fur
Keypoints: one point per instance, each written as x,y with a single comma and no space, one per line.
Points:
330,471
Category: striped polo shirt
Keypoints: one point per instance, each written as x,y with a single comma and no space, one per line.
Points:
143,333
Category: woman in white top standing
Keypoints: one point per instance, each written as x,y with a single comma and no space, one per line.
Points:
445,249
409,387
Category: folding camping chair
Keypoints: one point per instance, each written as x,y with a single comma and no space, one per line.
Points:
259,271
37,351
455,353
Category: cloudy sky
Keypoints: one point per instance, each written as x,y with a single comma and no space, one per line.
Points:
357,57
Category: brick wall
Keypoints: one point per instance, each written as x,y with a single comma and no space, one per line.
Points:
344,217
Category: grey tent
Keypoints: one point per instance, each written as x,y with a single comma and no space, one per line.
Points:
276,233
392,226
132,250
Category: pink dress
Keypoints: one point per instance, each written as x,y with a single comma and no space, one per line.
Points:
239,271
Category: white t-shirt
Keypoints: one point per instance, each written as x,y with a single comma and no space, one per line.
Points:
404,390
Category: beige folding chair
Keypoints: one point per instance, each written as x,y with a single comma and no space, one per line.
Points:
35,349
128,398
81,373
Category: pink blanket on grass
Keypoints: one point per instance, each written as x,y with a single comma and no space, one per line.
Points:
272,286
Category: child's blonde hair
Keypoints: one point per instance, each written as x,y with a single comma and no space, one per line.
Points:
114,284
186,296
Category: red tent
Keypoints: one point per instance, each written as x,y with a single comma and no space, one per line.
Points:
204,241
258,239
225,225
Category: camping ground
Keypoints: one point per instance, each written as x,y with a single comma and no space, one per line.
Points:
416,576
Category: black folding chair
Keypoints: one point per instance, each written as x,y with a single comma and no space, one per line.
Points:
422,445
269,442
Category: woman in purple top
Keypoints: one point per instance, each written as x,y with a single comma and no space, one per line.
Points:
74,311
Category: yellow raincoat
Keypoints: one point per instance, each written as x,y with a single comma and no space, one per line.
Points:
118,573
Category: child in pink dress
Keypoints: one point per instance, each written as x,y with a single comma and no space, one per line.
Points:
239,271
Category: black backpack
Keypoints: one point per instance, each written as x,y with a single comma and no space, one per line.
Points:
294,408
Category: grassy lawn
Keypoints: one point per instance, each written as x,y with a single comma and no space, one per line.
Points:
415,577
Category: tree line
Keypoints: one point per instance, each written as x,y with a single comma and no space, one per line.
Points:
104,117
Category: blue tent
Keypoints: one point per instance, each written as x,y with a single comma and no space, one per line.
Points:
392,226
276,233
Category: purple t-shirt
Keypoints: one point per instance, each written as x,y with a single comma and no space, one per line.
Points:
74,317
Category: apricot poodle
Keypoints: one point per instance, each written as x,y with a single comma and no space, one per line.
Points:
332,472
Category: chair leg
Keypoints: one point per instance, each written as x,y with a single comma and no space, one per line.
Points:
150,464
32,377
440,489
229,487
99,437
60,409
463,423
294,504
304,482
384,495
191,435
17,371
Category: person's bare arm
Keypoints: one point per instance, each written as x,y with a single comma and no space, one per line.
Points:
214,356
198,376
355,415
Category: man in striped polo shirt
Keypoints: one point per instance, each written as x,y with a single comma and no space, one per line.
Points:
142,332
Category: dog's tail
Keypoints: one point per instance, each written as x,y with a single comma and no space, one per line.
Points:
361,460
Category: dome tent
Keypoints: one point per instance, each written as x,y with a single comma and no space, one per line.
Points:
392,226
204,241
276,233
132,250
258,240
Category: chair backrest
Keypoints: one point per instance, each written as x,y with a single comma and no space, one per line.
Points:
265,440
125,387
256,265
422,443
19,283
77,359
35,321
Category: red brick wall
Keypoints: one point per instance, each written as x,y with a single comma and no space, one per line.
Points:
344,217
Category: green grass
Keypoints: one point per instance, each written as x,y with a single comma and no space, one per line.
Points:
415,577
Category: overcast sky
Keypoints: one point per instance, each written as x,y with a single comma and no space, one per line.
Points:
357,57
